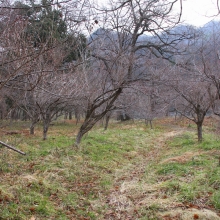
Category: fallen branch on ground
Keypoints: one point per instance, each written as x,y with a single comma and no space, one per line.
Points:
12,148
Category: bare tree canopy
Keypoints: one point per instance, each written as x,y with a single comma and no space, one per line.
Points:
59,57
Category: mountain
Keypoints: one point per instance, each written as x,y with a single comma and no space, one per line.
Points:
211,26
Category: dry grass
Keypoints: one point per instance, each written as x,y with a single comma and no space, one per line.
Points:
127,172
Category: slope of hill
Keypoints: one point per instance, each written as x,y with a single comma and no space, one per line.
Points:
127,172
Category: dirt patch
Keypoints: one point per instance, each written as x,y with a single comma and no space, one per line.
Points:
164,137
187,156
189,214
30,178
129,126
213,152
172,133
26,132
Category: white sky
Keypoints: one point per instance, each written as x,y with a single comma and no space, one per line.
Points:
199,12
195,12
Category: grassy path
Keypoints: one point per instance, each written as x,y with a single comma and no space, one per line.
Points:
132,195
140,193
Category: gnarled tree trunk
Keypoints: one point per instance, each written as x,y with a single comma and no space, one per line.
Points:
92,117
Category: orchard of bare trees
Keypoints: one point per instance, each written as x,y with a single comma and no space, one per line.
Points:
131,58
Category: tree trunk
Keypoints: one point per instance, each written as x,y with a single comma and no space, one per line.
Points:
46,124
79,138
150,121
70,116
77,116
45,129
32,128
86,126
176,115
34,121
92,118
107,121
199,132
151,125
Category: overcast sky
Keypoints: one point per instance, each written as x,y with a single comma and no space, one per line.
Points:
195,12
199,12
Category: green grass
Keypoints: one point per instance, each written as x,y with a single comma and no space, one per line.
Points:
216,200
173,168
57,181
197,177
186,140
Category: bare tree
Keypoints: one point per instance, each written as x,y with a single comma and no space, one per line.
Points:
38,51
30,34
117,50
210,56
194,101
195,93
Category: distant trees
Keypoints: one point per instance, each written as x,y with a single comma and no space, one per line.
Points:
38,60
135,59
30,34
